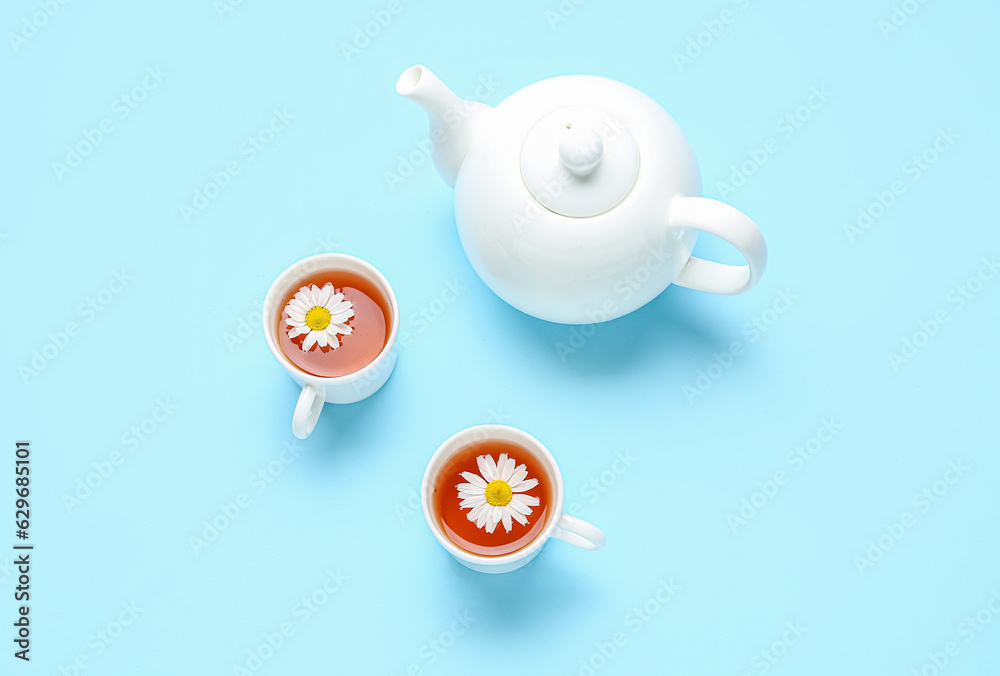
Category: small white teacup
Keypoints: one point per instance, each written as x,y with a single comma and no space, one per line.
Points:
317,390
558,525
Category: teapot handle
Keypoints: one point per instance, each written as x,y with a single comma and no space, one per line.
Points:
718,218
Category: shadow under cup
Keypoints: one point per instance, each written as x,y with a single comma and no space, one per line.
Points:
343,389
482,436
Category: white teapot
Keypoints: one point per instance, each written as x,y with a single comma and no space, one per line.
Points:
577,198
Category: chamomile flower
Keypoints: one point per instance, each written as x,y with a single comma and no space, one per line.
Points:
495,495
319,314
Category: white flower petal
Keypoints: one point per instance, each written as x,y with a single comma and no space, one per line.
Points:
291,322
529,500
521,518
524,486
298,331
506,520
519,475
342,329
507,470
494,518
476,512
501,461
476,497
324,294
474,479
296,314
309,341
340,317
518,505
487,467
335,300
321,338
482,516
469,502
299,302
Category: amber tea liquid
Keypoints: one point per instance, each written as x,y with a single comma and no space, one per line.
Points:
371,326
454,520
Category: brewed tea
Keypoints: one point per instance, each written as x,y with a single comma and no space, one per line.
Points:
333,324
492,498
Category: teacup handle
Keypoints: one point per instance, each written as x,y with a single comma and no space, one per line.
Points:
307,410
718,218
578,533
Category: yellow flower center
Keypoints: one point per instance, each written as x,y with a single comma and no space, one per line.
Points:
498,493
318,318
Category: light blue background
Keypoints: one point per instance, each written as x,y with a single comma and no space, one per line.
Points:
180,333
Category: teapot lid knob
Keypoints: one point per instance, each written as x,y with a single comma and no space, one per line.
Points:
579,161
580,149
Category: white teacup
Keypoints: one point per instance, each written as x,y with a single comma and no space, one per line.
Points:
566,528
317,390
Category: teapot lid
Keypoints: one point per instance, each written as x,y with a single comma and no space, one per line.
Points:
579,161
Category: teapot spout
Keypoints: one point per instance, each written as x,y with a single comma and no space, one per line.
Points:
454,122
